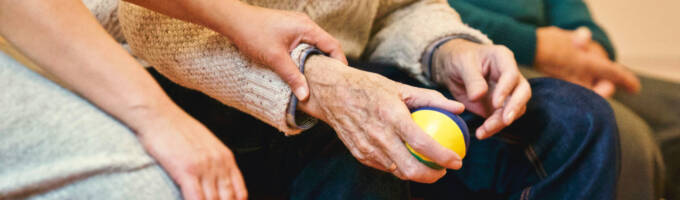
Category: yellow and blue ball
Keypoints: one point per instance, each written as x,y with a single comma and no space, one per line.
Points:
445,127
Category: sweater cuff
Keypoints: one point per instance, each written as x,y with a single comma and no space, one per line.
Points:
294,119
428,55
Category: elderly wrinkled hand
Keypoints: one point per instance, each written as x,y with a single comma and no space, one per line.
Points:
202,166
486,79
370,114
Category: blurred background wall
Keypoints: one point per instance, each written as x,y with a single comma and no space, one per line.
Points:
646,34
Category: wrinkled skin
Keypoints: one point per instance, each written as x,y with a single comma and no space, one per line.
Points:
485,78
370,114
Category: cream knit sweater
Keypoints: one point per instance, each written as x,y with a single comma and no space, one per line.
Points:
397,32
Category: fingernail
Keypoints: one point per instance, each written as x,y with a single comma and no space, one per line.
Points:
457,164
509,117
301,93
480,133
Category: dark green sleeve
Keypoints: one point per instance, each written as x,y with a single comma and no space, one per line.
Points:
571,14
517,36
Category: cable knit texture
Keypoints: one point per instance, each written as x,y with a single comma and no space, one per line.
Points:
389,31
106,13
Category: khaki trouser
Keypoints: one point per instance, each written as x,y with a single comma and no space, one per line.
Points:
642,167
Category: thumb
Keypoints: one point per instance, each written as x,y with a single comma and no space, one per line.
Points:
282,64
475,84
581,37
604,88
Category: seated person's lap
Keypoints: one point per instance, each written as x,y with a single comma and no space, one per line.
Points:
56,145
568,137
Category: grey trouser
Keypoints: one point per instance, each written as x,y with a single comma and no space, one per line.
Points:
56,145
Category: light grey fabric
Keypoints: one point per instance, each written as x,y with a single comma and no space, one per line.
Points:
642,167
56,145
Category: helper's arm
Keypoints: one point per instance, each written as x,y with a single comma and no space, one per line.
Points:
205,60
63,38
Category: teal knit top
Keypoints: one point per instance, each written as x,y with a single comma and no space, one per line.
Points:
513,23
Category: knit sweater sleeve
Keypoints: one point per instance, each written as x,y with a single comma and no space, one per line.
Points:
402,35
201,59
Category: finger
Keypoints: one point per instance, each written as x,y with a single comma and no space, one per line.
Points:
372,157
422,143
209,185
519,98
191,189
581,37
326,43
604,88
408,167
522,110
491,125
419,97
616,73
239,184
379,163
475,84
508,77
283,65
358,144
381,140
225,188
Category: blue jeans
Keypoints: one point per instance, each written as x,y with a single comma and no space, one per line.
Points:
565,147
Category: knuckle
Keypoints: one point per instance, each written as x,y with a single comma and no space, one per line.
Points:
434,94
193,166
411,173
365,150
227,155
417,144
359,156
215,157
385,112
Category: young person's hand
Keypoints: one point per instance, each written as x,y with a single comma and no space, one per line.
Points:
264,35
96,67
202,166
370,114
574,57
485,78
268,36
